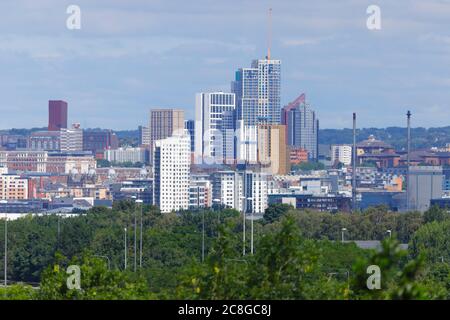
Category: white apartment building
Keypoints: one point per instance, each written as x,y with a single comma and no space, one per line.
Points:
171,165
126,154
247,143
71,138
214,126
227,187
13,187
341,153
200,194
232,188
255,191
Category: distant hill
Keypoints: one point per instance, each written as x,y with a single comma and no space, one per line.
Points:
396,136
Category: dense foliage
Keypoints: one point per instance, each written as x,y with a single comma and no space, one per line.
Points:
297,255
308,166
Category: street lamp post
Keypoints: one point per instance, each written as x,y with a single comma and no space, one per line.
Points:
243,224
6,245
59,230
251,224
135,236
203,235
125,251
140,234
217,201
6,249
343,230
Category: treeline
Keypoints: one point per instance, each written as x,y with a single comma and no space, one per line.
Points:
297,255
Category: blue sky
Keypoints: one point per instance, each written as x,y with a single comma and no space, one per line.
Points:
133,55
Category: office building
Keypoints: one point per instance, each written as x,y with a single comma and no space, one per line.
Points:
57,115
341,154
297,155
200,194
71,139
227,186
316,202
144,136
258,92
163,123
242,190
255,191
446,182
213,126
74,162
127,154
171,165
27,160
141,189
302,126
189,125
425,183
97,141
246,143
273,154
13,141
13,187
45,141
50,162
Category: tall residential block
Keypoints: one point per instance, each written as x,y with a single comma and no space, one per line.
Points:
214,127
302,126
72,138
273,153
341,153
258,92
189,125
163,123
245,191
13,187
171,165
57,115
258,101
144,136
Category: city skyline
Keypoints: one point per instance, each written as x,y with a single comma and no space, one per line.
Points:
122,63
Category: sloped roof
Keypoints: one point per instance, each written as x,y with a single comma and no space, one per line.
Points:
371,142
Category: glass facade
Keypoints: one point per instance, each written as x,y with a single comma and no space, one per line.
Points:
258,93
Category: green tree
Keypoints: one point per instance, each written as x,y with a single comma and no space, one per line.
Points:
97,282
432,240
276,210
399,277
435,214
308,166
17,292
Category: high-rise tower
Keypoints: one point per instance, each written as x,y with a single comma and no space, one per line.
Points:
57,115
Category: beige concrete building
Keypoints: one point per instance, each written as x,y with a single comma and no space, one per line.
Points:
163,123
13,187
273,153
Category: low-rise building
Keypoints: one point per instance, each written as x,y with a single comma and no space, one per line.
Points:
127,154
13,187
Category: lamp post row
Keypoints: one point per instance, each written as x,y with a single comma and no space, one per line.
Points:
135,236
